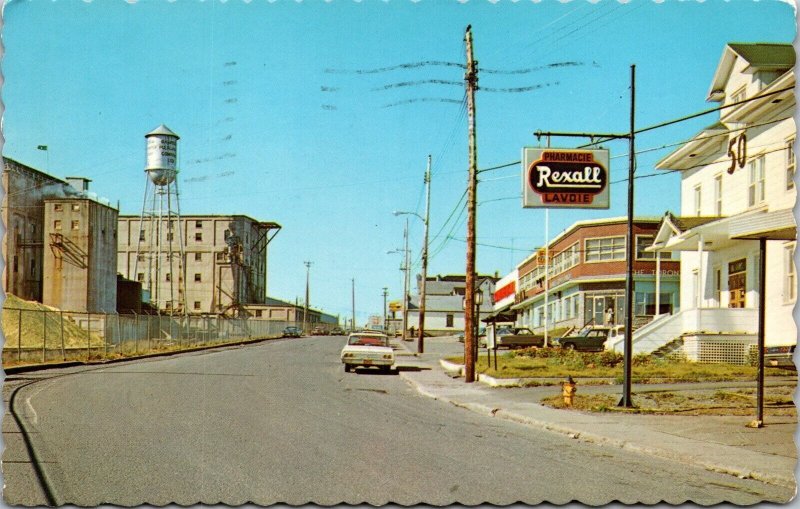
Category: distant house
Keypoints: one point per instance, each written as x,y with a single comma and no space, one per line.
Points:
444,302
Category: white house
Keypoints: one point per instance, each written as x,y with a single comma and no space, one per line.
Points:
737,187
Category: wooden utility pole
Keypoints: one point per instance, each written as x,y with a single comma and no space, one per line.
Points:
305,313
471,79
421,340
353,297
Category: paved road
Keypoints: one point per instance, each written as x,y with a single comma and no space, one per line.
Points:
282,422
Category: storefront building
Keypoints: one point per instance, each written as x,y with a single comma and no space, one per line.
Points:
583,282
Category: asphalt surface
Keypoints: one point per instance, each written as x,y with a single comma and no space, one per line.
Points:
282,422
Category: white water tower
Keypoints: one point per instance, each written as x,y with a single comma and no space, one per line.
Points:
160,247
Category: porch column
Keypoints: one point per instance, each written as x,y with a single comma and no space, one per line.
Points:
700,280
658,284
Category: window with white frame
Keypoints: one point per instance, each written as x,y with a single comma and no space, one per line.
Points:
718,195
698,194
739,96
790,163
605,249
790,274
643,242
756,181
564,260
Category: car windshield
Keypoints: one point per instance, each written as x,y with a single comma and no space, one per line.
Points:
367,340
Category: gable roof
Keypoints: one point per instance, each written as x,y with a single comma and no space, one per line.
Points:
760,56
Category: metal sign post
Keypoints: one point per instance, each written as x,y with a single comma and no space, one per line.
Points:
578,179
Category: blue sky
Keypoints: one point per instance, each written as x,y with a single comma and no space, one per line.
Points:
312,114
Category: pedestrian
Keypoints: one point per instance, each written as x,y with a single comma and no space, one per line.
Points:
609,316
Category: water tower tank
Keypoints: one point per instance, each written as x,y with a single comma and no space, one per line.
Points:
162,155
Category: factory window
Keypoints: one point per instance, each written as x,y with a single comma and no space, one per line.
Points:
198,257
258,313
197,277
16,263
197,304
221,256
33,267
140,258
168,276
58,207
448,320
76,207
198,224
198,236
140,277
57,224
141,235
168,304
169,236
76,225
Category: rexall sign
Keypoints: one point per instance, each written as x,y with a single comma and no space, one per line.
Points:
565,178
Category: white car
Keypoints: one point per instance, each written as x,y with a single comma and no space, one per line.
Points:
368,349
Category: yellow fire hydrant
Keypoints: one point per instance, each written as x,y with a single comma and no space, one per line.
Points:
568,390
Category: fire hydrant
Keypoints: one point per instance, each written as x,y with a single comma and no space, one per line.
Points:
568,390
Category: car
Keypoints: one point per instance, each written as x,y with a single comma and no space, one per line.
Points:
517,337
367,349
337,331
481,337
591,338
319,331
779,357
291,332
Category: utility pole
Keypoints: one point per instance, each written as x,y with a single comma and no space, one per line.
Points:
471,80
353,298
405,281
421,339
385,312
305,314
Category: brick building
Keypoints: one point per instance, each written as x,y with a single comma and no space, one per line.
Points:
586,277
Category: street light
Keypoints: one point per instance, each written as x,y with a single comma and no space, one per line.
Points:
405,268
478,300
426,221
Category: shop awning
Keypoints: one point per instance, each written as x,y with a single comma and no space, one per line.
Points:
504,314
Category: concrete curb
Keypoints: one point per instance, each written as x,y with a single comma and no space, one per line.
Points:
603,440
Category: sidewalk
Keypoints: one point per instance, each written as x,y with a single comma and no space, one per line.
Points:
716,443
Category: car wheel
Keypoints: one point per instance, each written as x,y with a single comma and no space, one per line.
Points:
569,346
386,369
347,368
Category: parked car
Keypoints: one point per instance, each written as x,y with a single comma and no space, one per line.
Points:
779,357
337,331
367,349
517,337
319,331
291,332
591,338
481,336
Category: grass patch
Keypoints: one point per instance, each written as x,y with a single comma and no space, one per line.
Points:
558,363
777,402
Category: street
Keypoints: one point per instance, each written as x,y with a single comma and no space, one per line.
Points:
281,421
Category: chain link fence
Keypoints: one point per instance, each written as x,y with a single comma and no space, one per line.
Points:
41,335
